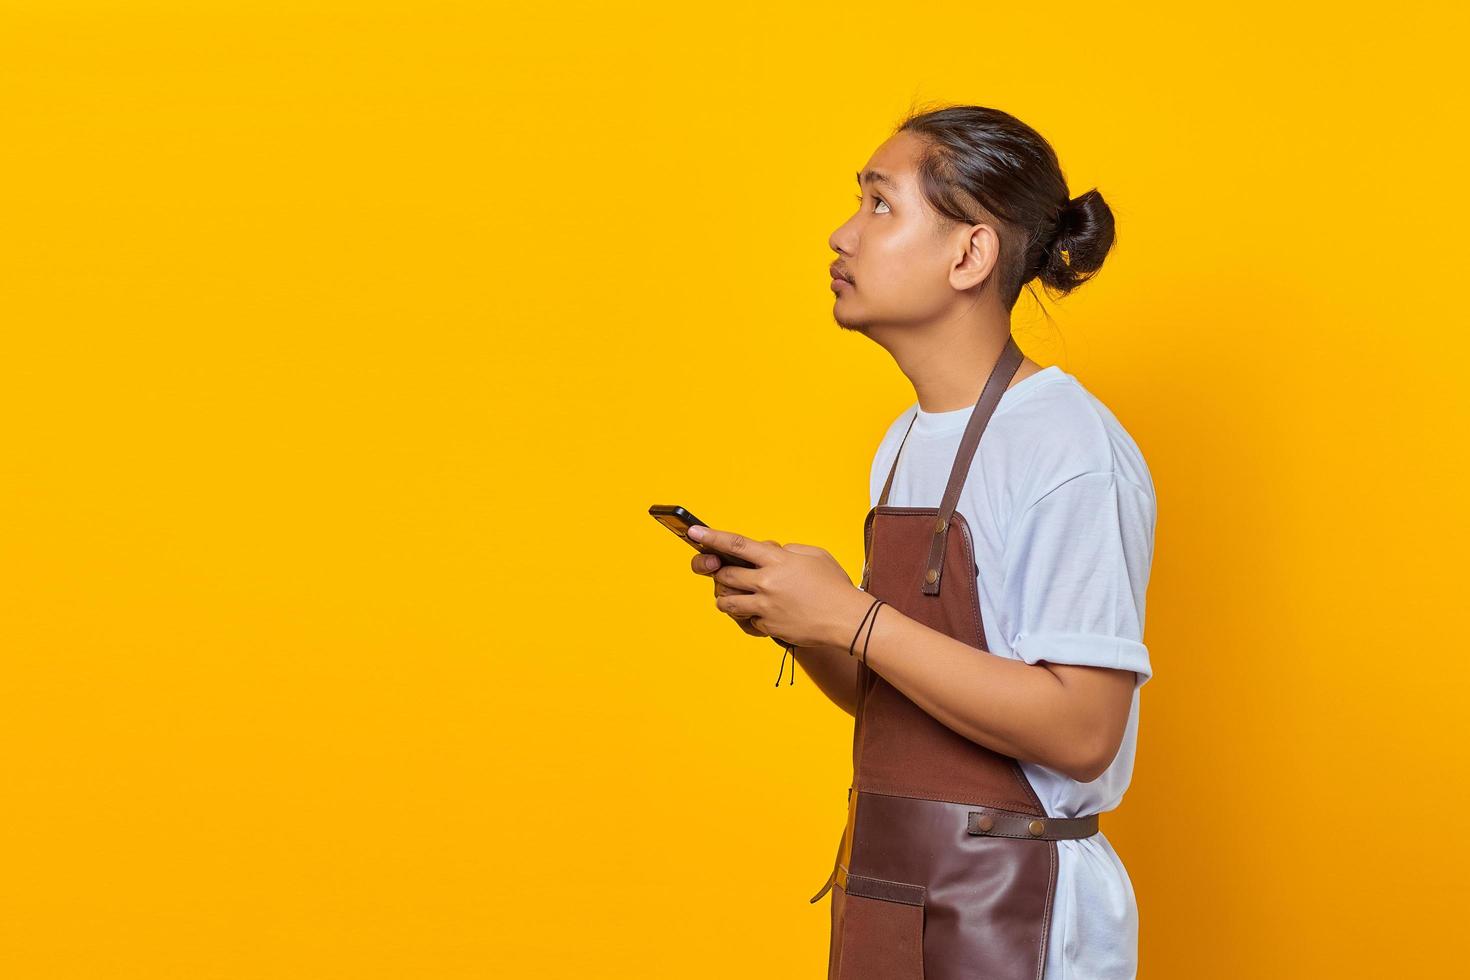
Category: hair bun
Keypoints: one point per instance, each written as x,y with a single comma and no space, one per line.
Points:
1084,230
1066,223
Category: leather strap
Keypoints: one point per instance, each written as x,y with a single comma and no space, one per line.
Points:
989,822
1000,378
888,483
884,890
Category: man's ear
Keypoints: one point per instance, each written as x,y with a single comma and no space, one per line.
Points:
978,254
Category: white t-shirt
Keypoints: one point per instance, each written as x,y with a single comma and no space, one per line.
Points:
1061,508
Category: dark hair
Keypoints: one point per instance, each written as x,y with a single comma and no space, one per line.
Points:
984,159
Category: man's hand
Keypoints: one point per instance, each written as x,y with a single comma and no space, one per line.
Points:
708,565
797,593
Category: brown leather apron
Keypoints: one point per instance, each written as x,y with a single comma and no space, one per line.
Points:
948,863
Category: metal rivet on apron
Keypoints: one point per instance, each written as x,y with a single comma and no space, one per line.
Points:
939,525
1037,827
932,575
985,822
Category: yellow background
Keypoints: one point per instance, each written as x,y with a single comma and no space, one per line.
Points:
345,347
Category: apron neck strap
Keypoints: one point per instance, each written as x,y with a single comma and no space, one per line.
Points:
1000,378
995,386
888,483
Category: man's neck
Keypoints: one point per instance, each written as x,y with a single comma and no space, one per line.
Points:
949,376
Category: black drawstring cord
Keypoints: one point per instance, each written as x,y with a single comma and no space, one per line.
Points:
791,649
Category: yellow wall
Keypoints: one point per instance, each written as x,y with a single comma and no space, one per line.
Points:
344,351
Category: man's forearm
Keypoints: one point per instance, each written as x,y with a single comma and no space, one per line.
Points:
1012,707
834,671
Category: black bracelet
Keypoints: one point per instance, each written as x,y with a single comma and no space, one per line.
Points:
790,648
871,623
851,646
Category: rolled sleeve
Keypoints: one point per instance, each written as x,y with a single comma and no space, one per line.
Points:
1088,649
1076,575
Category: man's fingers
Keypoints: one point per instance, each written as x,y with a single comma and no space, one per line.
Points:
708,565
738,604
756,552
741,579
742,621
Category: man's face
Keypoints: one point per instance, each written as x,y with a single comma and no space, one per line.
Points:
898,252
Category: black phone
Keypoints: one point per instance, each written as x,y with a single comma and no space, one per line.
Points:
679,520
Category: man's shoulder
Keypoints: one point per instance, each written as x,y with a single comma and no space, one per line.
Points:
1061,431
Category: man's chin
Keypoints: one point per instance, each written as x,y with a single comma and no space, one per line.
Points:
847,323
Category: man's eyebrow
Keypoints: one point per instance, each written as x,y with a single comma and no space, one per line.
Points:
876,175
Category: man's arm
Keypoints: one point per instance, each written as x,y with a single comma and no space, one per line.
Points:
834,671
1067,717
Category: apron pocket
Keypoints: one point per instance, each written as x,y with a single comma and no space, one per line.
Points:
882,930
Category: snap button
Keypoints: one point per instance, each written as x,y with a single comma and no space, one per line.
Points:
931,576
939,524
985,822
1037,827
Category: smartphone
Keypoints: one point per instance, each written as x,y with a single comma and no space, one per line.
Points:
679,520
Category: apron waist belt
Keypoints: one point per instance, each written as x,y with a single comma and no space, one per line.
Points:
990,822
